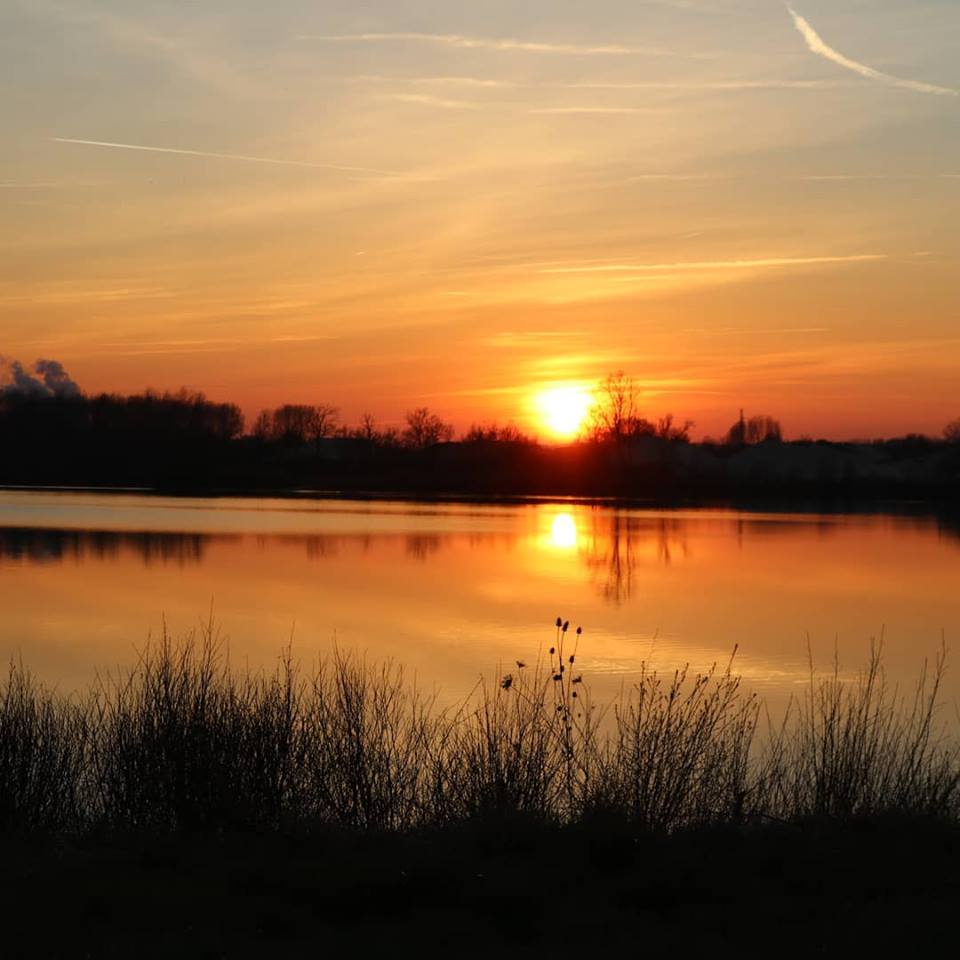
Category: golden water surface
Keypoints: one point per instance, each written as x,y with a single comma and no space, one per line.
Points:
454,591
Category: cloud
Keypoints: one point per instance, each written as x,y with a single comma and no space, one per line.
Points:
718,85
739,331
817,45
51,184
528,338
437,81
227,156
460,81
589,110
427,100
482,43
715,264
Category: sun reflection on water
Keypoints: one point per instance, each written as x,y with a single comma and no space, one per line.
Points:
563,532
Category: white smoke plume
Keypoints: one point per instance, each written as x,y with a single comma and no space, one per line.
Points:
49,380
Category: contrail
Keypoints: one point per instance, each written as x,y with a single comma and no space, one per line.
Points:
482,43
718,264
227,156
817,45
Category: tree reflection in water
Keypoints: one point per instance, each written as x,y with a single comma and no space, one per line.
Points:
617,544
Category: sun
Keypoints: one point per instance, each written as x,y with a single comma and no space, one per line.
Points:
563,410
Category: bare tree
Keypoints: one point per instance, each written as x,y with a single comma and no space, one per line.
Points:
507,433
325,420
764,429
296,423
615,411
758,429
424,429
368,427
667,430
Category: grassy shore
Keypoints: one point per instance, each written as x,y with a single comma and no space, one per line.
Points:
185,802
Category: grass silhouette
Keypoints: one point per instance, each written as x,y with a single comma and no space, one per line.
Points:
182,741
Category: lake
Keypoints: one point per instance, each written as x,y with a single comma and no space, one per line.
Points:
454,590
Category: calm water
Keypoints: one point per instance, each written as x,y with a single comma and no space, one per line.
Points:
451,591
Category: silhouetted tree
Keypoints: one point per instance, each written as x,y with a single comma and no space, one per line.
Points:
666,430
758,429
615,414
296,423
951,432
508,433
368,427
763,429
424,429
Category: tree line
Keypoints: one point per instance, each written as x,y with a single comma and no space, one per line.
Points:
616,416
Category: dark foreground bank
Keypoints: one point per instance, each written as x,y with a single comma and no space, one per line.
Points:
817,888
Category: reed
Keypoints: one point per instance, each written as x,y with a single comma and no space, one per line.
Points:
862,747
183,741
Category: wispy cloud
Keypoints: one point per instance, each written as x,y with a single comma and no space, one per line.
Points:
184,52
529,338
817,45
50,184
427,100
678,177
226,156
700,85
648,85
590,109
715,264
460,82
479,82
483,43
97,295
759,331
855,177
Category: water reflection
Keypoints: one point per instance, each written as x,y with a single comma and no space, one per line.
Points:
619,545
55,546
422,546
610,546
563,532
613,547
453,590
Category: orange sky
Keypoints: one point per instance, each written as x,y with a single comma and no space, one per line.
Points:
408,203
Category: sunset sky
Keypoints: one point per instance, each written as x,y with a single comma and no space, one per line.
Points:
391,203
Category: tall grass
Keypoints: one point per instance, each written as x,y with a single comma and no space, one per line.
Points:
182,741
862,747
682,751
43,745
